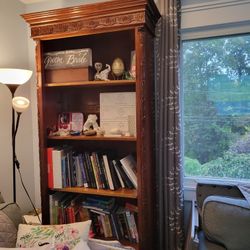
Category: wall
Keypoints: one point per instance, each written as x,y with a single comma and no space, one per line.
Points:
14,53
214,17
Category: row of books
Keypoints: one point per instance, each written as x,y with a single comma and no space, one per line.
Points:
109,220
89,169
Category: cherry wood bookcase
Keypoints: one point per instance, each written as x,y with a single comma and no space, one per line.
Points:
111,29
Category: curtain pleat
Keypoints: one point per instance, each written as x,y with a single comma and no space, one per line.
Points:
168,155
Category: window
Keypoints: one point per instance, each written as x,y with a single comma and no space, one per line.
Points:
216,107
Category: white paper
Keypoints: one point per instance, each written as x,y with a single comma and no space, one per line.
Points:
116,111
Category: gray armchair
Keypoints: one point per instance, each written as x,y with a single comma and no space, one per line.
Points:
224,218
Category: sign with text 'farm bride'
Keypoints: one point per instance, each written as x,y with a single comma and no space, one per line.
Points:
68,59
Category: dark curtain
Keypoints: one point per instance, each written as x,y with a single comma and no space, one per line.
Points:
170,234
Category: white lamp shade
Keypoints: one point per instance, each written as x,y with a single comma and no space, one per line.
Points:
14,76
20,104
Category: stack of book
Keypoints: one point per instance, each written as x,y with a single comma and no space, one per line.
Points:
109,220
89,169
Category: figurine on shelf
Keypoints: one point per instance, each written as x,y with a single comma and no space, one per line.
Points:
102,75
91,127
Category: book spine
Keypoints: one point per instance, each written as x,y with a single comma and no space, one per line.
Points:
79,180
83,174
114,176
124,176
99,171
118,175
106,164
96,173
128,166
130,226
57,168
50,168
134,227
87,174
90,170
100,157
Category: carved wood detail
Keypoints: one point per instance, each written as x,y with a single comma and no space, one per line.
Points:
90,24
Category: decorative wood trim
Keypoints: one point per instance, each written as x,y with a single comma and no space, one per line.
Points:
83,19
91,24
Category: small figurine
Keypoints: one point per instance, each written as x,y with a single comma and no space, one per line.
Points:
91,123
102,75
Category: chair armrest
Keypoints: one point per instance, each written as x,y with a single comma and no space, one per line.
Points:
227,221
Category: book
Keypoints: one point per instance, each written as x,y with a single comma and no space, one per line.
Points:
57,167
86,171
119,175
107,168
79,178
125,178
100,171
101,161
114,176
50,168
82,171
90,170
129,166
96,172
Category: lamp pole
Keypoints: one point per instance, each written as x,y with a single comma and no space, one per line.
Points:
12,88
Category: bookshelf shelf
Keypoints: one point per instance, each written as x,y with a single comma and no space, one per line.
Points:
93,84
108,30
94,138
124,193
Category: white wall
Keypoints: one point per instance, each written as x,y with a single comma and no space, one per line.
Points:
214,17
14,53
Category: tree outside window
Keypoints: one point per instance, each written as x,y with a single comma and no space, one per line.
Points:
216,87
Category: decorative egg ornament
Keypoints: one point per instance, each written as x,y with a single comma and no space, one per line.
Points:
118,67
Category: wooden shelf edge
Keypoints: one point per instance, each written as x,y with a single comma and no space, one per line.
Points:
93,138
92,83
122,193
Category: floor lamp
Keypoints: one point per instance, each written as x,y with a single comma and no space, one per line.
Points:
14,78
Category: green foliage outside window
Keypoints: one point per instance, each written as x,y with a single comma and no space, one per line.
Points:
216,84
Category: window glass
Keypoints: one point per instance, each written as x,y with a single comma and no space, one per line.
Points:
216,107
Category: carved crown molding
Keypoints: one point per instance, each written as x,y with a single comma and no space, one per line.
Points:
88,25
90,18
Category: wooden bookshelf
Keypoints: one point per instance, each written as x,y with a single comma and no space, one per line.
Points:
110,29
92,84
93,138
124,193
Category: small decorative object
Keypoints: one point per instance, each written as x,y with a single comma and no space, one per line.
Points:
74,133
100,131
69,121
91,123
118,67
89,132
68,59
132,70
102,75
